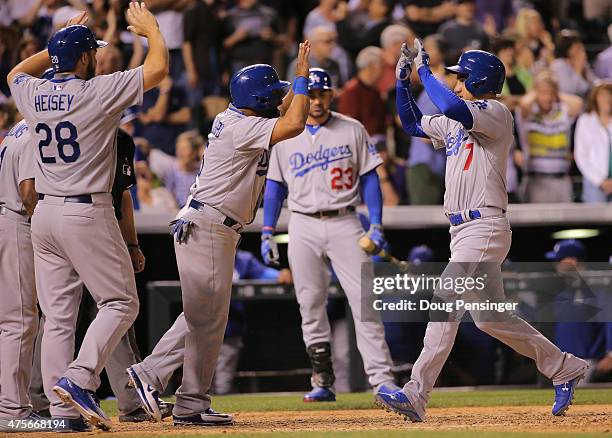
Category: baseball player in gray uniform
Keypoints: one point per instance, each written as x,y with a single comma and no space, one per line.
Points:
476,131
73,120
18,311
325,170
225,197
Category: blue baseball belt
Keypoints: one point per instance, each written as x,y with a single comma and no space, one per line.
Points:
470,215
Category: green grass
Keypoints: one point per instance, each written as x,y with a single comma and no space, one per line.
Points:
293,402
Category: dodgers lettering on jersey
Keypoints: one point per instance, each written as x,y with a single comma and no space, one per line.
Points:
73,124
235,164
476,160
17,164
322,165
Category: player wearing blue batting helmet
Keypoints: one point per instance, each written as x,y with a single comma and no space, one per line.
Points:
257,87
319,79
484,72
67,46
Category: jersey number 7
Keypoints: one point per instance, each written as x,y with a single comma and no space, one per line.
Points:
468,162
62,141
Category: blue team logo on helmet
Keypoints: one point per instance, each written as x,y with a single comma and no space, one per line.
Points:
68,44
484,72
319,79
257,87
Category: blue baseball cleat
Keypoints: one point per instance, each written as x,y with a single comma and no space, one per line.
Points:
320,395
388,388
149,396
564,394
397,402
83,401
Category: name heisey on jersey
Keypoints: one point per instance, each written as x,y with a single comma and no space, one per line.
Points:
301,163
53,102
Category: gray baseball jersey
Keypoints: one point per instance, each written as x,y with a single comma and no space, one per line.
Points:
17,164
321,166
476,160
235,164
74,124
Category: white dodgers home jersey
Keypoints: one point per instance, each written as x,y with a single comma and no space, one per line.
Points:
321,166
73,124
476,160
235,164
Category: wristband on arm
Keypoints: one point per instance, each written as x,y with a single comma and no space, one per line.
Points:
300,86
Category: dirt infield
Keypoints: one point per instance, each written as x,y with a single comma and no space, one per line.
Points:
587,418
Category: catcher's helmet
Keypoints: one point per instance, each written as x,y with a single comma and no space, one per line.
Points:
319,79
68,44
257,87
484,72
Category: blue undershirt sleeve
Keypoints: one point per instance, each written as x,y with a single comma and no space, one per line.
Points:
408,111
274,195
372,195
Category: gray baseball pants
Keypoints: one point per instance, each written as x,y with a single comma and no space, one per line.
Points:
484,241
65,235
18,313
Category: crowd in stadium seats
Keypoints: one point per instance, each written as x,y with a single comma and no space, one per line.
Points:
557,57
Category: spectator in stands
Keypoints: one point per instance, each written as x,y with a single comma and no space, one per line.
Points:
27,47
513,88
250,28
464,31
169,15
426,165
524,67
603,63
571,66
326,14
199,50
591,341
593,145
7,119
180,177
152,197
323,41
391,41
360,98
495,16
530,28
544,120
6,64
424,17
361,29
392,177
165,114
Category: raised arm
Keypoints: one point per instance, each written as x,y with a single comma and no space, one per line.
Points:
409,113
156,64
447,101
293,120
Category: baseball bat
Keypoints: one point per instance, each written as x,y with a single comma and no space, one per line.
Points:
369,247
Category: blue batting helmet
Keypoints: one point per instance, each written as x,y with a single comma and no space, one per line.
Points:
319,79
68,44
257,87
421,254
484,72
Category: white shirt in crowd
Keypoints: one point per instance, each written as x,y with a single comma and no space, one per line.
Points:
592,148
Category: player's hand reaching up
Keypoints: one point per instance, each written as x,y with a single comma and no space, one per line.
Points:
405,62
141,21
82,18
302,66
422,58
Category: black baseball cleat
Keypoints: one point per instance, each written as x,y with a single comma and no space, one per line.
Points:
70,425
207,418
139,415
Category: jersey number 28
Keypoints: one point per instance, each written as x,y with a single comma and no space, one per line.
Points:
65,135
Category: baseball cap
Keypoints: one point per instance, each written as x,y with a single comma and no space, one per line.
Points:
420,254
567,248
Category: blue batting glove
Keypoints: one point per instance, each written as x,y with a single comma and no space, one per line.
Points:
269,249
422,58
180,229
376,234
404,64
